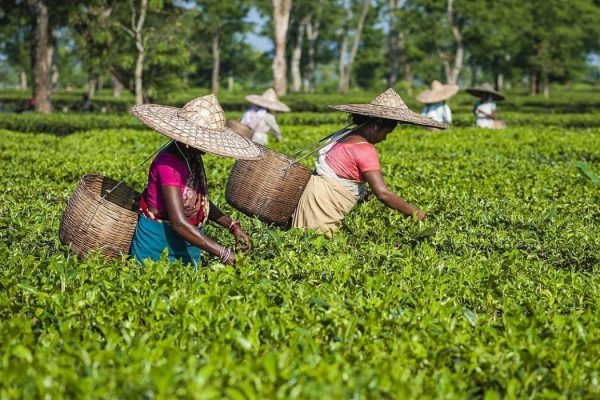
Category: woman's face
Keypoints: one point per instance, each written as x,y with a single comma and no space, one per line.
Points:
378,129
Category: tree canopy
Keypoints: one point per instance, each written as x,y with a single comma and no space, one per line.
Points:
330,44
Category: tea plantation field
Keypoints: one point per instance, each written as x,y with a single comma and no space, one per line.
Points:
496,295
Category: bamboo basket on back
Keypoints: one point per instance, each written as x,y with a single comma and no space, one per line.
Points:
239,128
100,215
269,188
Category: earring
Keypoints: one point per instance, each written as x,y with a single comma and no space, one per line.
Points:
187,147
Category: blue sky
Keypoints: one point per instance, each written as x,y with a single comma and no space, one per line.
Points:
260,43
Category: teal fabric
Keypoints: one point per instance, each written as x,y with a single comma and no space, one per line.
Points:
151,238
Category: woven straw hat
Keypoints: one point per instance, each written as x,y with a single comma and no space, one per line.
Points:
438,92
389,105
200,124
485,90
268,100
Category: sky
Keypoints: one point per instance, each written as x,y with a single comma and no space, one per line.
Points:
260,43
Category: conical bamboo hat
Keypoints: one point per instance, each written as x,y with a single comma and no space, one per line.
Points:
200,124
268,100
389,105
438,92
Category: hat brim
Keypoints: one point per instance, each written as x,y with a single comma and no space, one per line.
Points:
435,96
273,105
222,142
480,92
393,113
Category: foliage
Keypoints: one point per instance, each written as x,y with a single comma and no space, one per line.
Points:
495,295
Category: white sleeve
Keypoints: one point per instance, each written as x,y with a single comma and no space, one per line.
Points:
448,114
269,119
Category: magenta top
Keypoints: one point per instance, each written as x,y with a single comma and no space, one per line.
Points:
165,170
350,160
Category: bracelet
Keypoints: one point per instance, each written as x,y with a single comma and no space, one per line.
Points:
234,224
224,254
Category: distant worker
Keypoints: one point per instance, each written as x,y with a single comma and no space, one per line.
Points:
435,101
485,108
346,166
259,118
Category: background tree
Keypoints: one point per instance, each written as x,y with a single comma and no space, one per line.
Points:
356,13
281,18
221,22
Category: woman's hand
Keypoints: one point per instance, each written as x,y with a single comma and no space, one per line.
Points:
242,240
420,215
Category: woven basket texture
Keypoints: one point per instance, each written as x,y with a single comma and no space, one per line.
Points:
269,188
239,128
92,223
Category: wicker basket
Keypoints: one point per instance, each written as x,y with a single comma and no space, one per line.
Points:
92,223
269,188
239,128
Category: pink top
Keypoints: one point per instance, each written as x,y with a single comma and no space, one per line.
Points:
350,160
165,170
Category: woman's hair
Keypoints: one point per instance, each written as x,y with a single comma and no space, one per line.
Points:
358,119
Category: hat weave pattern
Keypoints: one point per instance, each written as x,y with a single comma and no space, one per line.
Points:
200,124
389,105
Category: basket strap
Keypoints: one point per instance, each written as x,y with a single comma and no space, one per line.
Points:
131,171
319,141
334,137
103,198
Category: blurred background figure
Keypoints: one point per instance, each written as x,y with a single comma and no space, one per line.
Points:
485,108
260,116
435,101
86,103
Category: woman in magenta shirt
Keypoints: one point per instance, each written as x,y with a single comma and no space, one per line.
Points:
175,205
350,162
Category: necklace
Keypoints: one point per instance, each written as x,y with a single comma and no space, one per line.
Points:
184,157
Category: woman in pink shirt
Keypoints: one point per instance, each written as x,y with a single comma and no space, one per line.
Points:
350,162
175,205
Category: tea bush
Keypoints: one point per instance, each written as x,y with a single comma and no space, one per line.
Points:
495,295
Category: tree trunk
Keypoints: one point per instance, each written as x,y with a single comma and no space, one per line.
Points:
117,86
230,83
459,53
342,56
393,43
533,82
447,69
216,66
345,84
92,84
408,77
54,77
498,81
281,19
138,78
473,74
54,72
23,85
312,33
296,57
546,84
39,55
137,25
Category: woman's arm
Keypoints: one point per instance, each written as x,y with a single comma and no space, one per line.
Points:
389,198
272,123
242,239
175,210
